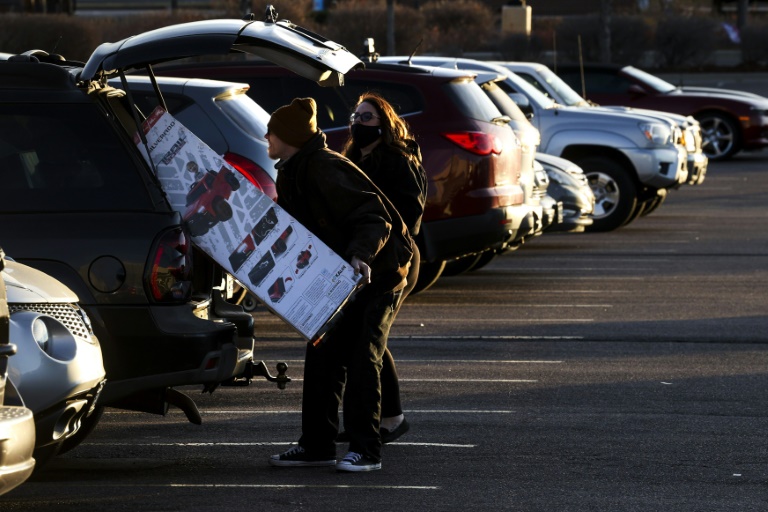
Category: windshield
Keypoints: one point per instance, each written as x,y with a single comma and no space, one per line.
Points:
534,95
655,82
563,92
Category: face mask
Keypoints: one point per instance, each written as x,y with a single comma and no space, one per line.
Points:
363,135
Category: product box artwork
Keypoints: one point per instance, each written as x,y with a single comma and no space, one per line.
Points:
289,269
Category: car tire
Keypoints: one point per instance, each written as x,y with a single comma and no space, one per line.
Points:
197,226
429,273
87,426
615,192
232,181
654,203
721,138
485,259
250,303
222,209
460,265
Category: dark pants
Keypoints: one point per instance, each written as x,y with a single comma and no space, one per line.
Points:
390,384
350,356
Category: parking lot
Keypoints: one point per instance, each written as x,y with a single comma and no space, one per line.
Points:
605,371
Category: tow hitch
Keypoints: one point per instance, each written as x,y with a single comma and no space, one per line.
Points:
254,369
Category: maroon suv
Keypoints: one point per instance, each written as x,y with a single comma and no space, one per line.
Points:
472,158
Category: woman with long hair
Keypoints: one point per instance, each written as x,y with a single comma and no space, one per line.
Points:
381,145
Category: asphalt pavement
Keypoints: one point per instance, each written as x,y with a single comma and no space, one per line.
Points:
622,371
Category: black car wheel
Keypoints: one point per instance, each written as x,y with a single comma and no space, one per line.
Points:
250,303
222,209
232,181
720,135
654,203
461,265
615,192
429,273
485,258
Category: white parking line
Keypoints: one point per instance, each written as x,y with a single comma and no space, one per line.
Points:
298,411
469,380
269,486
276,443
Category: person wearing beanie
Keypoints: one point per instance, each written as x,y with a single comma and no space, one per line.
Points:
339,204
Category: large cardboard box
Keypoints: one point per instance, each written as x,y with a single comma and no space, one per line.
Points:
288,268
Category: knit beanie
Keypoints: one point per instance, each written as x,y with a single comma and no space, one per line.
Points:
296,123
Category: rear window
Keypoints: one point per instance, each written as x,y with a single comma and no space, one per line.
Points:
246,113
59,158
471,100
504,103
334,104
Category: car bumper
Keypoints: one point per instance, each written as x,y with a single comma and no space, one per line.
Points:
17,442
61,421
659,168
697,168
453,238
167,346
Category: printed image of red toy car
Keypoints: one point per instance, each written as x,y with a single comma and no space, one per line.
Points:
238,257
207,201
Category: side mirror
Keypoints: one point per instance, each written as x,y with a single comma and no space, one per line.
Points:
636,90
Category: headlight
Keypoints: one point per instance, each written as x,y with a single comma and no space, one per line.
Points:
40,334
656,133
562,177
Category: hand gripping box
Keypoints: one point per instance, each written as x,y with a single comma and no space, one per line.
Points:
288,268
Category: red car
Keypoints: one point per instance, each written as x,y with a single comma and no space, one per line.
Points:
207,201
475,204
731,121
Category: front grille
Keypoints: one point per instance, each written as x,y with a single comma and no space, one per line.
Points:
67,314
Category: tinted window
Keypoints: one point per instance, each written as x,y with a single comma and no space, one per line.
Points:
334,104
504,103
246,113
65,158
598,82
471,100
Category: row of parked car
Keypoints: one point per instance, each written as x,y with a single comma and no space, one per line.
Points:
507,160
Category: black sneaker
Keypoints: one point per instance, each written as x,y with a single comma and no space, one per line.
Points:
387,436
298,457
356,462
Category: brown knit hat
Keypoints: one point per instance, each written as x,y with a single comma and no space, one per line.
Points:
296,123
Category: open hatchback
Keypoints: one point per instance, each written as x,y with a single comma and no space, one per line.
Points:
88,210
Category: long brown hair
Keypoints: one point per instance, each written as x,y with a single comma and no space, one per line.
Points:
394,131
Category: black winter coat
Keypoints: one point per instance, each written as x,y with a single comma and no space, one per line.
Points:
402,179
338,203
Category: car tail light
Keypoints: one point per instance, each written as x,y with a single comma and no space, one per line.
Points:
480,143
171,267
255,173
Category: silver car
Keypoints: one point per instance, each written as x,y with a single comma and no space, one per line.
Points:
17,425
58,370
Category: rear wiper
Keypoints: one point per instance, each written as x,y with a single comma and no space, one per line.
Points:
501,120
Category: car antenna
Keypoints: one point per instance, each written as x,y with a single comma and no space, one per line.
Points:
270,14
410,58
369,50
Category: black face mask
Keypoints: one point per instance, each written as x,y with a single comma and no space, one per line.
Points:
363,135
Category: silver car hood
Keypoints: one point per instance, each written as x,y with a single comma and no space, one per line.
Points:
26,285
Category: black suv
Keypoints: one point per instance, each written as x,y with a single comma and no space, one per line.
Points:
79,202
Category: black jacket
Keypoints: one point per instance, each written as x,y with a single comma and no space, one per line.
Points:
402,179
338,203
